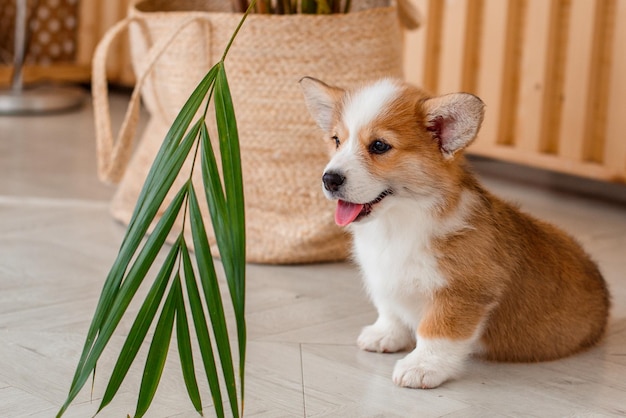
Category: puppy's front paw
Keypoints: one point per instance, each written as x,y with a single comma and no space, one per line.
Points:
410,373
385,339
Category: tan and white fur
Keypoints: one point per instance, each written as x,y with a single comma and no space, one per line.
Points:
452,270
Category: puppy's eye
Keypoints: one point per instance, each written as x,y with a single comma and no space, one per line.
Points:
337,141
379,147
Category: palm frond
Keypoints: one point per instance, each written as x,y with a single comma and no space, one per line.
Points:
136,256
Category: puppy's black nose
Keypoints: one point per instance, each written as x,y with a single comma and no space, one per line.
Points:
332,181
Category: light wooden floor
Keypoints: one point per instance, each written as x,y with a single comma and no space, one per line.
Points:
57,242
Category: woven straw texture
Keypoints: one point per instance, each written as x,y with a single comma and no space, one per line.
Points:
288,219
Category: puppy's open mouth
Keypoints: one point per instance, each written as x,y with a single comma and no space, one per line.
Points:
348,212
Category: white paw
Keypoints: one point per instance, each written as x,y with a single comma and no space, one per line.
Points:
420,374
385,339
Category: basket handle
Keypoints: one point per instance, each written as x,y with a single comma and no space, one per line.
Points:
113,155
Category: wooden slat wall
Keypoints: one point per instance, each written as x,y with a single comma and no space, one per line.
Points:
552,73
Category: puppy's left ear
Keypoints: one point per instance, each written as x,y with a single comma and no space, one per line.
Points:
453,120
321,100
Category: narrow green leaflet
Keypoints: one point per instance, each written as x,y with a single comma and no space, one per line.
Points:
233,184
202,332
234,264
208,278
184,349
158,352
214,194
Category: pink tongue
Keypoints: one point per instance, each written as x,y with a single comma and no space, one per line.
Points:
347,212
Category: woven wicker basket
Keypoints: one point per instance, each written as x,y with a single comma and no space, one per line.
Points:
174,43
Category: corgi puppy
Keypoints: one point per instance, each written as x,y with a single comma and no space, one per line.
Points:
452,270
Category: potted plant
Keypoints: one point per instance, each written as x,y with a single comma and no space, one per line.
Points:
167,177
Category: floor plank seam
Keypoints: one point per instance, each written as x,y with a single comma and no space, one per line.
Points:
302,380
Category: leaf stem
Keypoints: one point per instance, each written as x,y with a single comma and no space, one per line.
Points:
232,38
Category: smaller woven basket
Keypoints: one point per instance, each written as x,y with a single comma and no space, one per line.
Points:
174,43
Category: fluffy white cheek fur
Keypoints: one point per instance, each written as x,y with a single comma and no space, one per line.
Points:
360,186
432,362
361,109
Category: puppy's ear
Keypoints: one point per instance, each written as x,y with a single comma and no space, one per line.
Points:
321,100
453,120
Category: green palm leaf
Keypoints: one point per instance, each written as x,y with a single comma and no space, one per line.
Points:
202,332
214,192
184,350
135,259
140,327
231,166
208,278
158,352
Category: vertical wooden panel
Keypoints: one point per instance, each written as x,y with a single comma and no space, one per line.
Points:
453,46
533,83
576,92
491,67
415,47
510,74
433,45
554,78
604,28
615,150
474,27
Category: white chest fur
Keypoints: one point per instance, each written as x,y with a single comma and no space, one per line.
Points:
398,263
